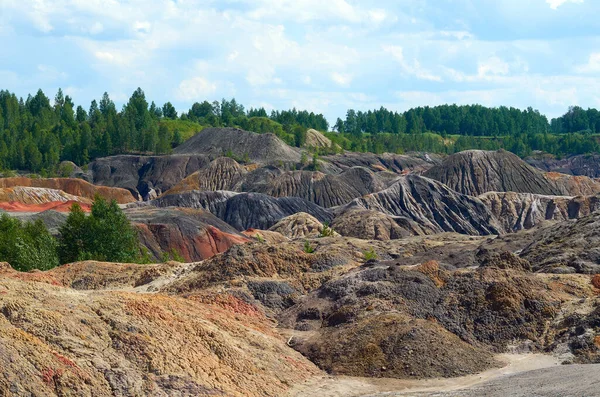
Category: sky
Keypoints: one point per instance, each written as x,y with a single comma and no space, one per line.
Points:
324,56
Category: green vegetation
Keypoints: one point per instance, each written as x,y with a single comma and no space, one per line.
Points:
452,128
104,235
26,246
370,255
308,248
326,231
36,135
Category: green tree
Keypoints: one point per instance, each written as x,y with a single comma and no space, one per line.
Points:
169,111
299,135
26,246
105,234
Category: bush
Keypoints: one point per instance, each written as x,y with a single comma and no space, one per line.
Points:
26,246
104,235
326,231
308,248
370,255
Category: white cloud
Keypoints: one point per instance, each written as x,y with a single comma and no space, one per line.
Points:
341,79
411,68
195,89
492,66
592,66
554,4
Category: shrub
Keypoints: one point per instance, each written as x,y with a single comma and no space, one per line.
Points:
308,248
26,246
370,255
104,235
326,231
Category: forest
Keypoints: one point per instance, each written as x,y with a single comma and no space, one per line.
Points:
36,134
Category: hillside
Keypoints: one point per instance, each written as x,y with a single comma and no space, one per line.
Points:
262,148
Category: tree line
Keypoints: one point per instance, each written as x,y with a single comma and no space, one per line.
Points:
104,235
36,134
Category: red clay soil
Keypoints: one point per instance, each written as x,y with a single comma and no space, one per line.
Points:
76,187
192,247
59,206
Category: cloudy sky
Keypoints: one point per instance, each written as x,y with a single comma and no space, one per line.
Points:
321,55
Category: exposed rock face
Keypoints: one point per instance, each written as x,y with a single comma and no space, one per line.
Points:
262,148
190,233
300,225
517,211
59,341
222,173
37,195
267,236
372,321
245,210
396,163
325,190
317,140
574,185
583,164
146,177
374,225
328,190
75,187
568,247
475,172
432,205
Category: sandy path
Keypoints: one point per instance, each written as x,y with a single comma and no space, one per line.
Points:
341,386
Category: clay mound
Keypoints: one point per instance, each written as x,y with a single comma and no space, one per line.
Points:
58,206
475,172
517,211
574,185
397,163
221,174
374,225
58,341
259,211
299,225
263,148
74,187
266,236
382,320
244,210
190,233
317,140
567,247
431,205
328,190
280,261
582,164
92,275
146,177
37,195
394,346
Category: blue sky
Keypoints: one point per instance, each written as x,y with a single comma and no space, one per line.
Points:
322,55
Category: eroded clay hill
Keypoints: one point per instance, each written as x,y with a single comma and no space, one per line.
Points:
431,205
263,148
74,187
245,210
57,341
516,211
326,190
475,172
568,247
146,177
